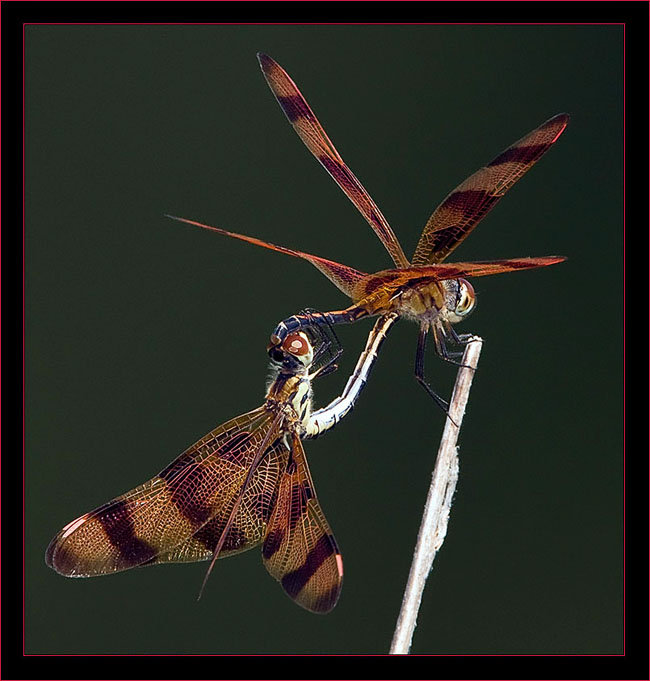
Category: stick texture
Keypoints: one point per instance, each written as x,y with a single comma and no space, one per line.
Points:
438,504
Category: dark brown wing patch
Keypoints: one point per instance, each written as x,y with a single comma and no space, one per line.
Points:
311,132
250,523
299,549
470,202
167,510
482,268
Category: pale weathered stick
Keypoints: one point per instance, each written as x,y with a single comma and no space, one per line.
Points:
436,511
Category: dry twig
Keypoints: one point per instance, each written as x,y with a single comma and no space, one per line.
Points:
436,510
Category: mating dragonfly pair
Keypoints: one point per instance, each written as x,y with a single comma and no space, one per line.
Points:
247,482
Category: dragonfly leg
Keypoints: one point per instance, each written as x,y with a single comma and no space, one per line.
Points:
419,370
322,337
327,347
458,338
439,335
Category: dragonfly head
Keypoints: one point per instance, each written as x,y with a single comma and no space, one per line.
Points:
461,299
314,347
294,355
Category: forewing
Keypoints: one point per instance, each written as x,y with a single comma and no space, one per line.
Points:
343,277
167,510
311,132
454,270
470,202
249,526
299,549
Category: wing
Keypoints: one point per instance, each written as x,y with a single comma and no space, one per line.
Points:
483,268
249,526
311,132
299,549
343,277
470,202
166,511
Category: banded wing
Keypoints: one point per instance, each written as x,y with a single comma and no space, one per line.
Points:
480,268
249,525
163,513
343,277
299,549
470,202
310,131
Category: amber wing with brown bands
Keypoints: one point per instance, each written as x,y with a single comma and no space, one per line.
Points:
388,280
166,511
470,202
250,523
299,549
311,132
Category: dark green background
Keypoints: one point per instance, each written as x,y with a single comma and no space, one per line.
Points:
143,334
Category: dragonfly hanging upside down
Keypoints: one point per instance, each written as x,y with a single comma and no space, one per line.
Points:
433,294
245,483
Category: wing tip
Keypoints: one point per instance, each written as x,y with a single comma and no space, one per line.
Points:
49,554
265,61
561,119
538,261
61,560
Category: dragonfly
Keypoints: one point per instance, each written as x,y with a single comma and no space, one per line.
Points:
434,294
244,484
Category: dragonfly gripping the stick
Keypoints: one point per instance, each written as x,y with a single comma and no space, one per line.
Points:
434,294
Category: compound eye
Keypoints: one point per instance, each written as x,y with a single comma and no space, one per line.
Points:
296,344
466,298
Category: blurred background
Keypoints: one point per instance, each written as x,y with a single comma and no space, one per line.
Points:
143,334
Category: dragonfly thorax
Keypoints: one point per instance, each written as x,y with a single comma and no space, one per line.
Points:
292,395
449,300
290,381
